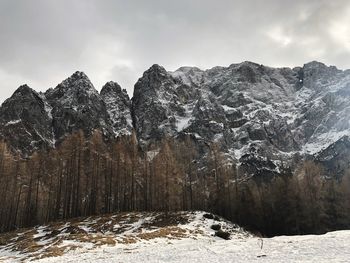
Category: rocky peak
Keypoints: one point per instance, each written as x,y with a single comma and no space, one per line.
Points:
77,105
118,106
152,79
113,89
25,120
24,95
78,79
24,90
316,75
76,87
248,72
21,101
155,68
188,76
30,120
161,103
155,74
319,66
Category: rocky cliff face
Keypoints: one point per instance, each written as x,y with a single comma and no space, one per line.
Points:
118,107
76,104
25,120
260,116
30,120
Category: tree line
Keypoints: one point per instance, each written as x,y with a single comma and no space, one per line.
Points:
88,176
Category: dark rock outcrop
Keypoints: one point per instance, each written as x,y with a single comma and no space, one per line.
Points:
118,106
76,104
25,120
30,120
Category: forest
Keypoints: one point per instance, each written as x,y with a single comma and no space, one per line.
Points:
89,176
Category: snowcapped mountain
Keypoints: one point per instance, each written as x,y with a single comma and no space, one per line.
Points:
260,116
31,120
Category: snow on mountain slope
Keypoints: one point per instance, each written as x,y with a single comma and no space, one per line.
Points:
259,116
118,107
255,113
76,104
31,120
154,237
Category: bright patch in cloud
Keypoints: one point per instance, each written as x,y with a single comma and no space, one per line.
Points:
278,35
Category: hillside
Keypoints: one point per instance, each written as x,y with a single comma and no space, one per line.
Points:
122,231
154,237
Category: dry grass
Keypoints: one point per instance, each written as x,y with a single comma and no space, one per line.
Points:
127,240
6,238
166,232
164,220
95,239
55,251
107,230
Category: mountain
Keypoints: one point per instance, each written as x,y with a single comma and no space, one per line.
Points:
118,107
260,116
76,104
32,120
25,120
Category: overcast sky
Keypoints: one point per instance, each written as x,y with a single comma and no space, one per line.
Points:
43,42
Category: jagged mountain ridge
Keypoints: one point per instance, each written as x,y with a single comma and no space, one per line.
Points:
31,120
259,115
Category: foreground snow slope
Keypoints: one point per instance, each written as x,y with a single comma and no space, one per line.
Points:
153,237
331,247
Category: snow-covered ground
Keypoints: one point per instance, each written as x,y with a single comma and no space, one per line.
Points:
189,239
331,247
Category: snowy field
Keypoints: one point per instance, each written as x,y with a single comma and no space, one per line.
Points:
149,237
331,247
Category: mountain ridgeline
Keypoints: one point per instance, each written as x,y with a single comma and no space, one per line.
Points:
188,139
261,117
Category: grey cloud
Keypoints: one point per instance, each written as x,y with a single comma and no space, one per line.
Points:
44,41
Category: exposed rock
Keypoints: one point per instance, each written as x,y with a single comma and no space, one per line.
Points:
76,104
278,112
25,120
118,106
336,157
259,116
30,120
